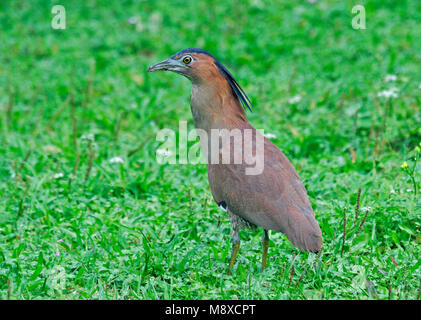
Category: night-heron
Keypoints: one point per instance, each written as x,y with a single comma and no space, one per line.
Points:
274,198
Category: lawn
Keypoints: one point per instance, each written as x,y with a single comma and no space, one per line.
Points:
344,105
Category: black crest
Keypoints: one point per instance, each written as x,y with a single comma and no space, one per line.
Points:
236,89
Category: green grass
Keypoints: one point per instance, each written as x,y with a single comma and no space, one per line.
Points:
141,230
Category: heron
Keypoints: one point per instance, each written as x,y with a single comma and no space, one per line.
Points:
274,198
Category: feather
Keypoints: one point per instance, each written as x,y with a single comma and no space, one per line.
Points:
237,90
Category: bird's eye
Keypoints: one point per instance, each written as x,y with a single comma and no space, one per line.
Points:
187,60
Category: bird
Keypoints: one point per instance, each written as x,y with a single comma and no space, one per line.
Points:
273,198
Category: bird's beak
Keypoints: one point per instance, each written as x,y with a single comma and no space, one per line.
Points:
169,64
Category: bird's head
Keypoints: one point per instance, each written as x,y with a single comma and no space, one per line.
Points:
191,63
201,67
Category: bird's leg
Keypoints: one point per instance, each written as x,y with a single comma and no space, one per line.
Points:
235,247
265,244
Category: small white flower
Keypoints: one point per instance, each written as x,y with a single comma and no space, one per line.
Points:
391,93
257,3
408,190
155,21
133,20
390,77
51,149
137,22
116,160
270,135
365,209
392,191
163,152
89,136
58,175
294,99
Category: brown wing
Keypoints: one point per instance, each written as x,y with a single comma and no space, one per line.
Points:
275,200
